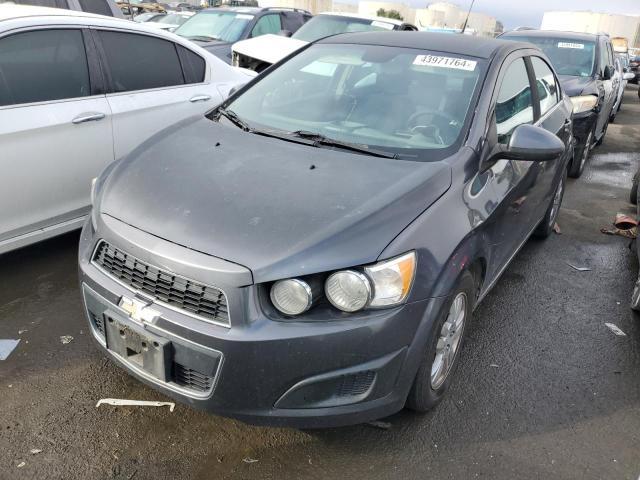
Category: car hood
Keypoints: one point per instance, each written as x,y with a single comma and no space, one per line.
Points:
279,208
268,48
574,86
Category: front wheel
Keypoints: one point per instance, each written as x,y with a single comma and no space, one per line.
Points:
580,160
545,227
443,349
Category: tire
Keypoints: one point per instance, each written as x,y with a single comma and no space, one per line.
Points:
604,132
427,391
579,161
545,227
633,194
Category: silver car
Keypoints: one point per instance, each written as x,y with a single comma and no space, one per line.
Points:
78,91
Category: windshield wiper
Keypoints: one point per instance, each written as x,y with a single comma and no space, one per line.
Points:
320,140
233,118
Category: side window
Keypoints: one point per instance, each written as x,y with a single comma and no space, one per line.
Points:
192,64
267,24
100,7
44,3
604,57
546,83
140,62
515,103
43,65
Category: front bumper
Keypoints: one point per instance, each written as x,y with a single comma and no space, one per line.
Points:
257,369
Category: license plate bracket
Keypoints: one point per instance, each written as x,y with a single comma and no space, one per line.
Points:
142,349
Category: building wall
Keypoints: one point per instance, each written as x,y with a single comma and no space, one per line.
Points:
591,22
344,7
313,6
449,15
371,8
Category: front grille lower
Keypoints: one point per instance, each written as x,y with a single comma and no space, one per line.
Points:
356,384
205,301
191,379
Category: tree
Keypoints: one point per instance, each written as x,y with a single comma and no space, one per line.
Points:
389,14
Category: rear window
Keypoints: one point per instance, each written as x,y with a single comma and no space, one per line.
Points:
43,65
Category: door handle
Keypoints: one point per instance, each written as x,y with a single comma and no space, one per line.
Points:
200,98
88,117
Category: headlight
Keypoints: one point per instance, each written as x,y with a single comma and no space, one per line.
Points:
584,103
292,296
348,290
392,280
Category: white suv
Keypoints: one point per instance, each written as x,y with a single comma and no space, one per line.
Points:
78,91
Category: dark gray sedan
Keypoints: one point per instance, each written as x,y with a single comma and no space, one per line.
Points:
310,254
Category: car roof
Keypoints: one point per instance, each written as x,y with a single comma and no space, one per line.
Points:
10,11
552,33
364,17
481,47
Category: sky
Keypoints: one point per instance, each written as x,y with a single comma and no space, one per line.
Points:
513,13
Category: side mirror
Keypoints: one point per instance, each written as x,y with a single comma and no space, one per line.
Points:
285,33
607,73
629,76
530,144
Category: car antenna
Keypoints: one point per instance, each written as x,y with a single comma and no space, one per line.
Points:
466,20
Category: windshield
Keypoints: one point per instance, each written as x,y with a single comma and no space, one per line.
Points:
324,25
569,57
174,19
215,25
409,102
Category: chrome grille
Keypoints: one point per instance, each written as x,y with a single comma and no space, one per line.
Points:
202,300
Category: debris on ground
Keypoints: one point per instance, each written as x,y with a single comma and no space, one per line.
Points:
615,329
380,425
493,365
141,403
66,339
35,451
556,228
580,269
250,460
624,226
7,346
22,464
21,331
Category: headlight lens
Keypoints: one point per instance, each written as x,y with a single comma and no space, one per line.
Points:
348,290
392,279
292,296
584,103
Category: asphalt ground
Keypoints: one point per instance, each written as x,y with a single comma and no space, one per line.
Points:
544,388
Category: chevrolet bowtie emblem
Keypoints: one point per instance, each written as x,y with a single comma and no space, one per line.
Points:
138,310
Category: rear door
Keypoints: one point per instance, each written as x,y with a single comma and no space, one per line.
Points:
55,128
152,84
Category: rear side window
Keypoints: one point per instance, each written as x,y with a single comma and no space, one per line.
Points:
44,3
515,102
43,65
101,7
193,65
267,24
546,83
140,62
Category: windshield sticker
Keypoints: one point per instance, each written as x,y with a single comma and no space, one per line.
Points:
244,16
385,25
578,46
445,62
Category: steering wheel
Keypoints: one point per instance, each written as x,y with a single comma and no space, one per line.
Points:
443,121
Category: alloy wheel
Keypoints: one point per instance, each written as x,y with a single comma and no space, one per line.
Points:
449,341
557,200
